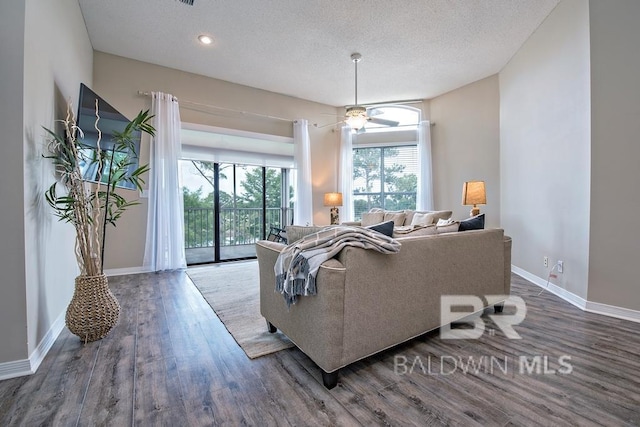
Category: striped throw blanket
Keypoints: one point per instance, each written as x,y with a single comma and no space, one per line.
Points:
297,265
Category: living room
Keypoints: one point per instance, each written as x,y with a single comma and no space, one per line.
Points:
552,134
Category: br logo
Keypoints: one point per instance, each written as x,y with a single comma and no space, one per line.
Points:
452,307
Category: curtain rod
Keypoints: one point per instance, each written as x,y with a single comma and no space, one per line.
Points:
264,116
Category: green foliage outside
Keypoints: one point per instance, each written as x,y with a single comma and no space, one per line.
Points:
240,213
386,185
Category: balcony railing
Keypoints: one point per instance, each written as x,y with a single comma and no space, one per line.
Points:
238,226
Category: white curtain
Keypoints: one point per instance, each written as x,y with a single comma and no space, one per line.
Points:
164,247
303,205
424,196
345,174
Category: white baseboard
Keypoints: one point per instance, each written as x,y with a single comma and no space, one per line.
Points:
581,303
128,270
613,311
19,368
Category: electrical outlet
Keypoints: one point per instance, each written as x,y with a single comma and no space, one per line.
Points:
545,261
560,266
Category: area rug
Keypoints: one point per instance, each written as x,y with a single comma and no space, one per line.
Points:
233,292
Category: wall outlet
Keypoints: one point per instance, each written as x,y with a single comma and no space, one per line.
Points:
545,261
560,266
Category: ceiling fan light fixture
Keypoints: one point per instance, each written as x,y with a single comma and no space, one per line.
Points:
356,117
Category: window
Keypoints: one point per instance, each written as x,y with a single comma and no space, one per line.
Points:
384,177
385,162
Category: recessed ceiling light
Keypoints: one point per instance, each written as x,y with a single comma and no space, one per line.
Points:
204,39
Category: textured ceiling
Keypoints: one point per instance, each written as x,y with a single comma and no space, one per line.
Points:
412,49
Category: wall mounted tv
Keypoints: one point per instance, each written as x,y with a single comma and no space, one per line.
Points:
111,121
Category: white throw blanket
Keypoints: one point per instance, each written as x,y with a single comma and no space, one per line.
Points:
297,265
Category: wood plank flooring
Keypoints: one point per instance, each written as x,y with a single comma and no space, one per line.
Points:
171,362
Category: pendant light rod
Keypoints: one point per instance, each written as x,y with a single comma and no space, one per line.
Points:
356,57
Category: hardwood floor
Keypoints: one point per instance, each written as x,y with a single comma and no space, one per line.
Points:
170,361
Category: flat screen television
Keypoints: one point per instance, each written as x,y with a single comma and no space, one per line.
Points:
111,121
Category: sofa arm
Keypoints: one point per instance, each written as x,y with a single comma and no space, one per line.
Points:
315,324
507,265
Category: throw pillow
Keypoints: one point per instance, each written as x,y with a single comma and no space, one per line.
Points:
396,216
436,215
473,223
442,222
371,218
422,219
385,228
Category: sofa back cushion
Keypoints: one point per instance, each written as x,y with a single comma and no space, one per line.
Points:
297,232
372,218
398,217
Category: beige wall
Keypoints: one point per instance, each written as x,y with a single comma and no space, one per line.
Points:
39,72
466,146
13,315
545,147
54,67
118,80
615,144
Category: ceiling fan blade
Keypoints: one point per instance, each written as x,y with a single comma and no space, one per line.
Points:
374,112
383,122
361,130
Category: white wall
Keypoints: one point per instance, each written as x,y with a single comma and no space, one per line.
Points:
46,53
13,314
545,147
615,139
466,146
118,80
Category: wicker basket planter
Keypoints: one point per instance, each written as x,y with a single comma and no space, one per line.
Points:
93,310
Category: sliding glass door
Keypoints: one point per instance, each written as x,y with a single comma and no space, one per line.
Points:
228,207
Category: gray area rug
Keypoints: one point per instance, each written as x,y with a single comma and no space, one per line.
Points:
233,292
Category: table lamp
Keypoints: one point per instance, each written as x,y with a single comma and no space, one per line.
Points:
333,200
473,193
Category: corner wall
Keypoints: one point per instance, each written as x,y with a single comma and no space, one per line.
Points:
57,56
545,148
615,127
46,53
466,146
13,315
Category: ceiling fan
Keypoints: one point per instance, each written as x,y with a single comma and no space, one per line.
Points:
357,116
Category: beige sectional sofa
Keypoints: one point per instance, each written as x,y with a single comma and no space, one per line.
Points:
367,301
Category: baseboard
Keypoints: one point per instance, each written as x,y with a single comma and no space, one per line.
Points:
128,270
613,311
19,368
581,303
570,297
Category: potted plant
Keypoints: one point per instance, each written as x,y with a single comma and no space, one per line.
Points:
89,206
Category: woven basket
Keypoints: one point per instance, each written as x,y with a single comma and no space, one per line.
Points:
93,310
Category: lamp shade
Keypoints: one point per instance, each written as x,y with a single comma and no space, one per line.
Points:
333,199
473,193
